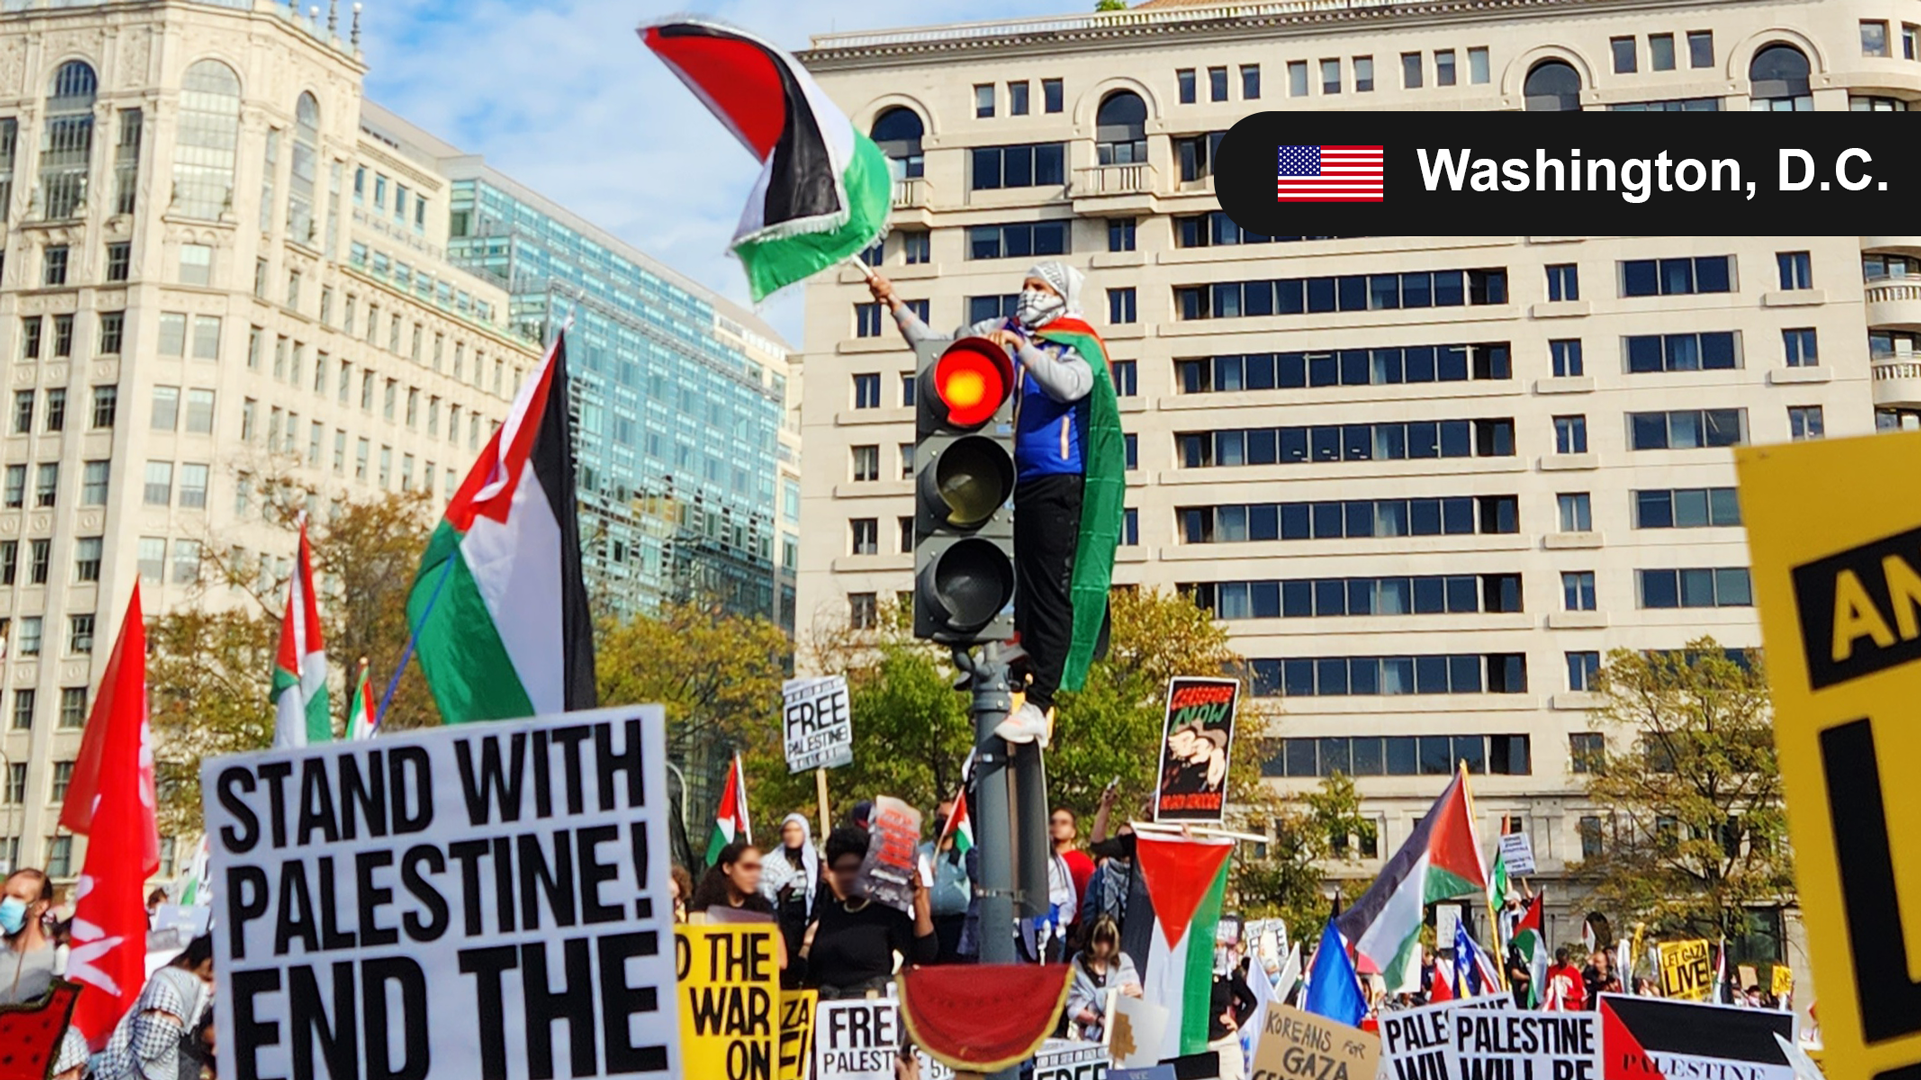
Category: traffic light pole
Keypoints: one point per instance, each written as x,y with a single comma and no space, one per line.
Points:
994,832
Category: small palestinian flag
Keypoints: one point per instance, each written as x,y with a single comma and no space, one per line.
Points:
1660,1039
824,188
300,713
959,825
1532,945
360,713
730,818
1440,861
498,605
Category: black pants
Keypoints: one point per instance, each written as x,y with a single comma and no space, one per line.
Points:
1047,529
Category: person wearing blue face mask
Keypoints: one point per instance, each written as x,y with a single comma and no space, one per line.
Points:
26,953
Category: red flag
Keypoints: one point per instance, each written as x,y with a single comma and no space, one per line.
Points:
111,801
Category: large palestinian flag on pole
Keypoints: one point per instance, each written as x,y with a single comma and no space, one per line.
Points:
1187,880
498,606
300,714
824,188
1440,861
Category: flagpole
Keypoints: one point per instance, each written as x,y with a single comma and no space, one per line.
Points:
820,793
413,639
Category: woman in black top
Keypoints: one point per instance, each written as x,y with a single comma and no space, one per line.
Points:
851,945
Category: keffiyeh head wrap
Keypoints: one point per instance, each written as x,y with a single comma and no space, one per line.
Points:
778,871
1064,279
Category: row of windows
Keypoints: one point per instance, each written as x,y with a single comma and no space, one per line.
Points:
1391,441
1303,598
1400,755
1019,98
1350,292
1695,587
1353,519
1345,676
1661,52
26,636
39,560
1345,367
46,485
71,716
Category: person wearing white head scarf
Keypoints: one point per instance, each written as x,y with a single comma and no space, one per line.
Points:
1054,382
790,877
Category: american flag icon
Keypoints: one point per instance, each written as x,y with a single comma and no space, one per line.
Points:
1329,174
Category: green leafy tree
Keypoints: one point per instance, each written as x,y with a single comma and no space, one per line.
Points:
207,680
1698,834
1323,827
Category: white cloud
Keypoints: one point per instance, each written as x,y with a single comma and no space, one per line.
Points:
564,98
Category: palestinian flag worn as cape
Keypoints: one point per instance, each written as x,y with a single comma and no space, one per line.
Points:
1103,491
730,818
360,711
824,188
1187,880
300,712
498,605
1440,861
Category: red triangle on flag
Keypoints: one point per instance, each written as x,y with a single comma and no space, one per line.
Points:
1178,873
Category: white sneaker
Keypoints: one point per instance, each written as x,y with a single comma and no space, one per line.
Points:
1028,724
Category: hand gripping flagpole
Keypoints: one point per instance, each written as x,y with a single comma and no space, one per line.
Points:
413,636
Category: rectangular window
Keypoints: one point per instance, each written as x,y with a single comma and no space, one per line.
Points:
30,337
193,484
112,331
1217,84
166,408
983,308
1577,514
1477,66
1874,40
1587,750
1713,351
73,707
862,612
1250,82
1804,422
80,635
1695,588
1053,100
153,559
1330,76
1297,78
62,336
158,490
1120,234
1797,269
39,561
1661,52
1700,48
1563,282
1123,374
1577,590
1352,292
1019,166
196,264
1566,356
22,721
206,337
1411,71
1686,508
23,412
46,483
106,401
1570,434
9,567
173,334
1444,67
1687,429
119,260
1120,306
1910,41
1675,277
984,100
1364,74
1020,241
16,487
1799,349
864,536
93,483
31,629
86,559
1625,55
866,463
1184,83
1017,98
59,861
54,265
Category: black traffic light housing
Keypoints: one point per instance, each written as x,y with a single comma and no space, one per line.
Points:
963,492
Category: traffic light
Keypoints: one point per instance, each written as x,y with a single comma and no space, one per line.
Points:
963,485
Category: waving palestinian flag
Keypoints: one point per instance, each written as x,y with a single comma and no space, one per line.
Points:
824,188
498,605
299,691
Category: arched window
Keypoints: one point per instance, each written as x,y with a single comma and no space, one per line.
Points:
203,156
68,147
1120,129
1553,86
1778,78
898,133
306,169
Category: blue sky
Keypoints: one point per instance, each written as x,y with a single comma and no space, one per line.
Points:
563,97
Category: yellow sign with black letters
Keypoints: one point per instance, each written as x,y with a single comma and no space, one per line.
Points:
1687,969
729,986
1834,534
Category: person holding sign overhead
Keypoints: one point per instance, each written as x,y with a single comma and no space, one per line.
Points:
851,945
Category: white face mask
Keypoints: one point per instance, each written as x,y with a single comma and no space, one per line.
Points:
1038,307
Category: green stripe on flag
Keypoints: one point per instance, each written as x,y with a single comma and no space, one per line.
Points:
460,650
775,263
1197,997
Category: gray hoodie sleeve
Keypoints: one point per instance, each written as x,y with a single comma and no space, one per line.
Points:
1066,379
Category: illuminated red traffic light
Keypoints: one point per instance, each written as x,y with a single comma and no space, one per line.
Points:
971,379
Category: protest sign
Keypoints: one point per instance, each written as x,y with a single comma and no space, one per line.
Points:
512,874
1447,919
1526,1045
1653,1038
859,1040
1136,1028
796,1048
729,981
1061,1059
1296,1045
888,874
1834,559
1783,981
1418,1044
1687,969
1146,1072
1518,852
1746,977
817,726
1196,741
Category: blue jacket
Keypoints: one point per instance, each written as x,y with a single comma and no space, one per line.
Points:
1049,436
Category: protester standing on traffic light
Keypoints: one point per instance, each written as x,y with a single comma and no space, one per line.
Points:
1069,455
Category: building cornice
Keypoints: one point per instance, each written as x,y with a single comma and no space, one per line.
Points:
1139,27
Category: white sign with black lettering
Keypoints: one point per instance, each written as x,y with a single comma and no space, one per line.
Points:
1061,1059
817,723
861,1038
1518,852
425,906
1488,1037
